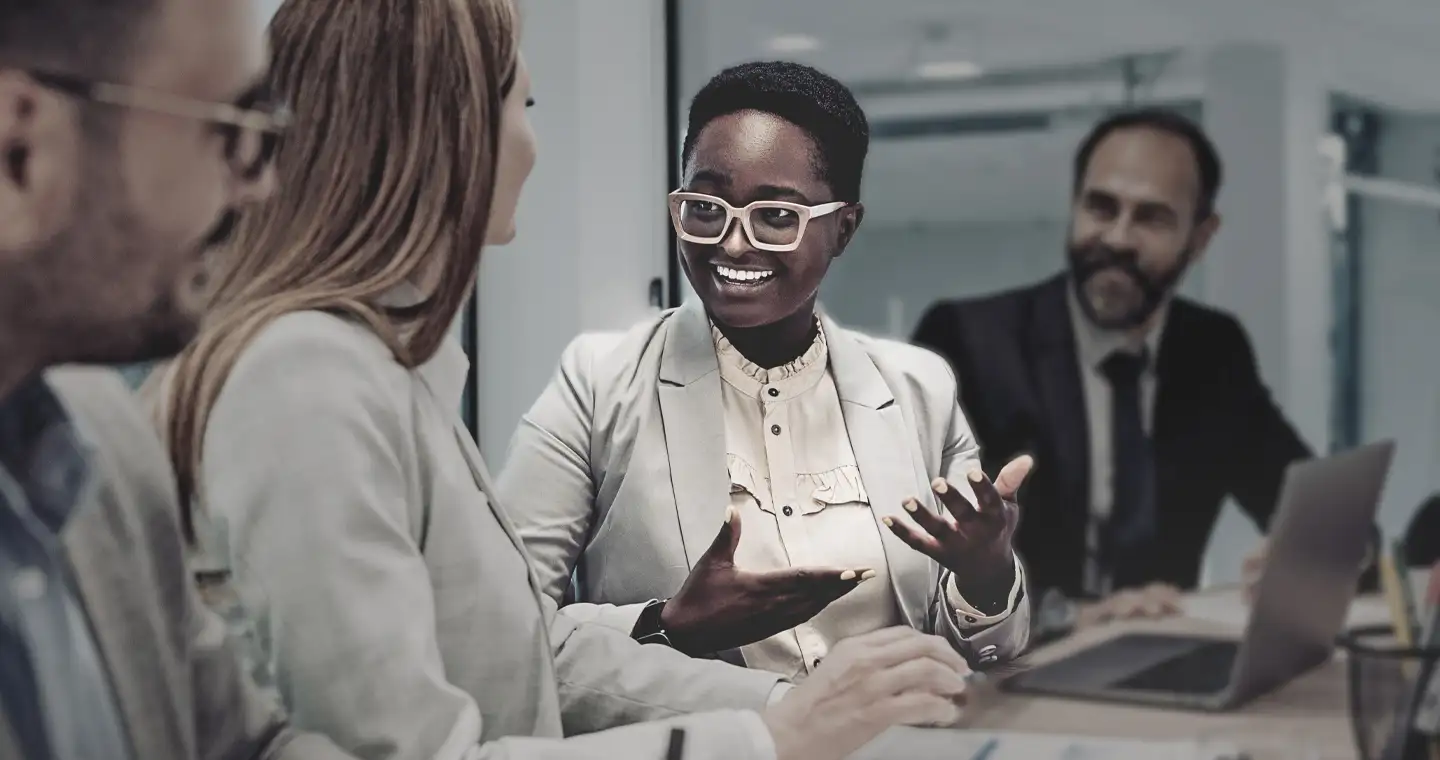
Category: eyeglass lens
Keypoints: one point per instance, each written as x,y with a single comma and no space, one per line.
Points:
771,224
250,150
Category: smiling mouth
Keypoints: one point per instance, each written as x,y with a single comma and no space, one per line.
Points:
734,276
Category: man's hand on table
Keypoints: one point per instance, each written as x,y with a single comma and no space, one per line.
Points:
1157,600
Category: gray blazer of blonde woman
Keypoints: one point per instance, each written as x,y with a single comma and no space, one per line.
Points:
617,473
389,589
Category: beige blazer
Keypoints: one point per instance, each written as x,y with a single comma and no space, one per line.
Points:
181,691
617,473
389,588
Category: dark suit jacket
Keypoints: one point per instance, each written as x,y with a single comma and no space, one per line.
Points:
1216,430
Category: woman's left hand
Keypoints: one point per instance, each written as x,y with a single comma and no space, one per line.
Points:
972,541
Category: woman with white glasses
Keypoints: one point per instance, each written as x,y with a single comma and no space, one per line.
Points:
845,458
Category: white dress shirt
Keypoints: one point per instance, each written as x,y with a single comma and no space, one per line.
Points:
1092,346
802,502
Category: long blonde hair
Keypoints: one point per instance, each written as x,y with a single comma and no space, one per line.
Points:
385,177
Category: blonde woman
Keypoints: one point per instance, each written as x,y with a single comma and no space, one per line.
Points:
315,422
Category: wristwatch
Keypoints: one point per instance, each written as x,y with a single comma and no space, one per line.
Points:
648,627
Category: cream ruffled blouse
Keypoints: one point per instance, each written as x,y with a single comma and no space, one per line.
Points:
800,497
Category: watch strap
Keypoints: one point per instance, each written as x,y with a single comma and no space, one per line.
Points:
648,627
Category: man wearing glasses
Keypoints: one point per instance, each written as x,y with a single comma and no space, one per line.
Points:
130,134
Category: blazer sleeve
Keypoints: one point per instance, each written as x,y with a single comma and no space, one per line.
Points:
548,485
1267,445
983,641
608,679
230,713
305,464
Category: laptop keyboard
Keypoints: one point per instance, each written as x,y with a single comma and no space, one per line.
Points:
1205,669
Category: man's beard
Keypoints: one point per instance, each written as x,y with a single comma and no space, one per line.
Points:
1148,292
95,261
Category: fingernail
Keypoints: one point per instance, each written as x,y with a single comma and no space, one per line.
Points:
939,485
729,514
976,475
848,575
910,505
889,522
867,575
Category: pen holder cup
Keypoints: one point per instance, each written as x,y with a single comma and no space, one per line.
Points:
1384,676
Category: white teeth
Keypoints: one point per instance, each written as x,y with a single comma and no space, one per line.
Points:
744,275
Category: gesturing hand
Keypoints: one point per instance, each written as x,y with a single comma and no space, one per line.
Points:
722,607
973,542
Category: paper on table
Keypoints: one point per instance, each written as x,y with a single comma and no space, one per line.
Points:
925,744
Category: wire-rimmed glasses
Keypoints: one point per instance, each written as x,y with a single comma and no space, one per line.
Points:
251,134
776,226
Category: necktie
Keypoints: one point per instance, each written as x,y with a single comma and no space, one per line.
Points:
1130,529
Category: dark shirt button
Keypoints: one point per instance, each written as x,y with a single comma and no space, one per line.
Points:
788,511
774,392
816,663
775,429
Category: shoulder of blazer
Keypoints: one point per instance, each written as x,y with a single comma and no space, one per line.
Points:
995,320
899,356
340,369
322,344
126,453
136,503
1209,320
604,373
602,359
910,370
1010,302
315,358
1208,334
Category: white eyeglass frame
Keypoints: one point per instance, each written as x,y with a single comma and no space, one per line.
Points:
802,212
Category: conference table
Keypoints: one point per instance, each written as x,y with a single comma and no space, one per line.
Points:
1312,708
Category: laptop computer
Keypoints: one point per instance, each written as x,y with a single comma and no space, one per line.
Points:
1318,539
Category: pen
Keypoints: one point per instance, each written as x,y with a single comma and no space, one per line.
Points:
677,744
986,750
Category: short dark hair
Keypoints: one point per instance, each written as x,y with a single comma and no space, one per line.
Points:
1207,159
814,101
89,38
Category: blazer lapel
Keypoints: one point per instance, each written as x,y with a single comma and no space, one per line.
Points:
1056,374
125,627
1174,426
692,415
883,451
481,474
